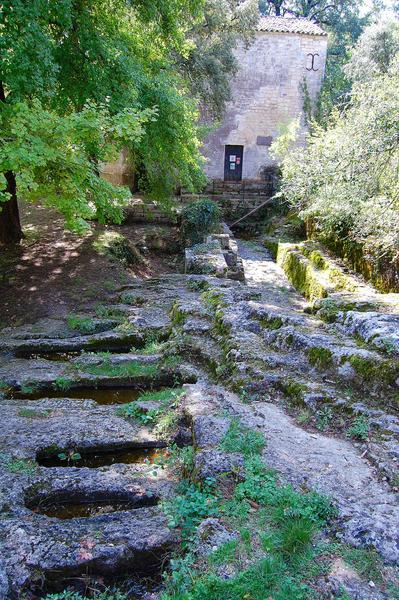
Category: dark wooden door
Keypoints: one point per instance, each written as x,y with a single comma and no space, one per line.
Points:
233,163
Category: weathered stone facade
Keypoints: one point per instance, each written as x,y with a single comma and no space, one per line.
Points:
267,92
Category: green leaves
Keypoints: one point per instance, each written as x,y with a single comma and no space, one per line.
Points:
347,177
81,80
55,158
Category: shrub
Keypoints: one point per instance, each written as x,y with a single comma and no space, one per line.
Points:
199,219
359,429
345,180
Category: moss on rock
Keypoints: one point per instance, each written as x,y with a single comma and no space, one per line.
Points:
300,271
320,357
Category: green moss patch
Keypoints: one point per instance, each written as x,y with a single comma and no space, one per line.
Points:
294,390
130,370
272,323
369,370
300,272
319,357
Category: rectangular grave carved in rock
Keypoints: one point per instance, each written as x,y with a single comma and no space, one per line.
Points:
233,163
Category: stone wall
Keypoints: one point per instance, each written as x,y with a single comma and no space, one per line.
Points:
266,93
119,172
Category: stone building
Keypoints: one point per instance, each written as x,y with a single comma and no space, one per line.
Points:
267,92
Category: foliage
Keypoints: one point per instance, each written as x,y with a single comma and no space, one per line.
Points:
132,298
190,507
261,486
81,80
20,466
242,439
62,383
321,11
52,157
360,428
197,285
167,400
375,52
69,456
346,179
199,219
152,347
272,553
265,576
109,312
29,387
132,369
324,418
210,63
70,595
80,323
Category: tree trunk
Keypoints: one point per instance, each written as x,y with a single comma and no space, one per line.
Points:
10,224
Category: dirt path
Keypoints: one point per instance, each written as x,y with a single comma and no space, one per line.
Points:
54,272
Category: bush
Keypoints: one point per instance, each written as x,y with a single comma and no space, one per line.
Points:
346,180
199,219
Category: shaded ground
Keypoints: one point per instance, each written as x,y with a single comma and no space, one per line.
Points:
54,272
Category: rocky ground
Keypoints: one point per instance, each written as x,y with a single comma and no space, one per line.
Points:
324,404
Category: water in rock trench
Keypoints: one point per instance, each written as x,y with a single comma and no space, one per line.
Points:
104,458
90,509
103,396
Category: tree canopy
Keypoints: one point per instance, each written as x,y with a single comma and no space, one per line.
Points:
77,80
332,14
81,78
346,179
210,63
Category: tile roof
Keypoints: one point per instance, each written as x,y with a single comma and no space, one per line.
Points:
290,25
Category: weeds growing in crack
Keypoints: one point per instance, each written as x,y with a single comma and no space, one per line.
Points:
29,387
133,369
62,383
360,428
20,466
81,324
162,416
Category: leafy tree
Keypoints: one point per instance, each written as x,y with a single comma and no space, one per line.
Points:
210,62
346,179
376,51
79,78
325,12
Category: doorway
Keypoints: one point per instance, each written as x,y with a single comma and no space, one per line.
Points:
233,163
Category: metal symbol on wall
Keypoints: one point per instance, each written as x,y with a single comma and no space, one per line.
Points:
312,62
